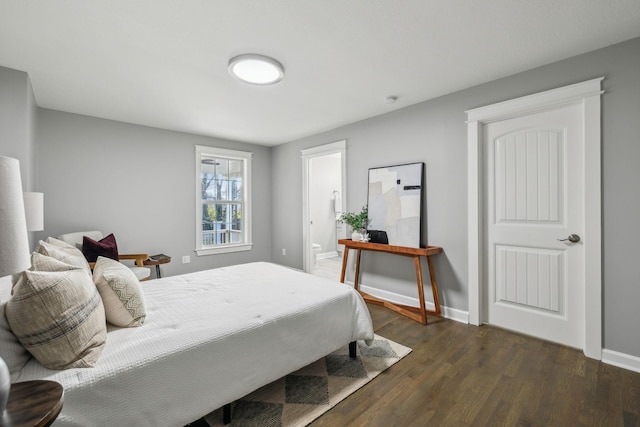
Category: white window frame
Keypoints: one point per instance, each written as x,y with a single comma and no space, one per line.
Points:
245,156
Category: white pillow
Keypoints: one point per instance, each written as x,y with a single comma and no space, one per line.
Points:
120,291
64,252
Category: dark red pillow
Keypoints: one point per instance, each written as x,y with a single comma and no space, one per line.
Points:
106,247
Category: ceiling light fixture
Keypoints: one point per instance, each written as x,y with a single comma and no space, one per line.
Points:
256,69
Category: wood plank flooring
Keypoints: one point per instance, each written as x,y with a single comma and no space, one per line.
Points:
461,375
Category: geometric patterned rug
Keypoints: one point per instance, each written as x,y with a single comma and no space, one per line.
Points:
302,396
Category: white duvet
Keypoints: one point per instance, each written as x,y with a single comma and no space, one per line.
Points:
209,338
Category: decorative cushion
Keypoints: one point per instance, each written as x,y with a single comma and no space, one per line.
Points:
11,351
41,262
121,293
106,247
58,315
64,252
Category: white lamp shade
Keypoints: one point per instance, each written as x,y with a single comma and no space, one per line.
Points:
34,211
14,241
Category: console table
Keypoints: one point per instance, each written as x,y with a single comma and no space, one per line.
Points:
416,313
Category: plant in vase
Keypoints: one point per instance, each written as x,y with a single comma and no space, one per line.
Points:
358,222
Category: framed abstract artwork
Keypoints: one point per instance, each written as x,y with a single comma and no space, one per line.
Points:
395,204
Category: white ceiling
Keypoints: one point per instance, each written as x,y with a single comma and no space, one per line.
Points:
163,63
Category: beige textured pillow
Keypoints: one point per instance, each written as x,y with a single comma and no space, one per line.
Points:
58,317
41,262
64,252
11,350
121,293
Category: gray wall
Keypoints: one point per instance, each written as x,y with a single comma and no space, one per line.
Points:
138,183
325,177
18,116
435,132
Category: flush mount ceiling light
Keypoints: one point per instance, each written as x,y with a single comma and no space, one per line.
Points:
256,69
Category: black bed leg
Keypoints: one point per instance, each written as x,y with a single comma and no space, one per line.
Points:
226,413
352,349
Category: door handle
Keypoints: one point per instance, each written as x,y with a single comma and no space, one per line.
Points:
573,238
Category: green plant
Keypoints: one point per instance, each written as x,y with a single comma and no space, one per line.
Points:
357,221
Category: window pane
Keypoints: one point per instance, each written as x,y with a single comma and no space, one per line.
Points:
235,180
235,189
208,224
206,186
221,179
219,189
221,224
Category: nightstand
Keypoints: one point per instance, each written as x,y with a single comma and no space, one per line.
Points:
157,260
33,403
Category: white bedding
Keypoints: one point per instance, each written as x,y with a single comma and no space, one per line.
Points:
210,338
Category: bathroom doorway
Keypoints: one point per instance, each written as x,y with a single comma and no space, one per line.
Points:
323,202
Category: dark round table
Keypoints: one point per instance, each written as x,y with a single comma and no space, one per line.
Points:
33,403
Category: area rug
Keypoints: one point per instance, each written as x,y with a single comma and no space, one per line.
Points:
304,395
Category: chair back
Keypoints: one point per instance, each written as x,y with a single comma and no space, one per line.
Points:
75,239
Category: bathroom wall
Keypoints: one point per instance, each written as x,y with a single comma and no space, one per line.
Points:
325,178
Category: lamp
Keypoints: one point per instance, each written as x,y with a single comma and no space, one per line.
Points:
34,211
14,243
256,69
14,248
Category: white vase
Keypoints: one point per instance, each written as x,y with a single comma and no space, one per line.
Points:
5,386
360,236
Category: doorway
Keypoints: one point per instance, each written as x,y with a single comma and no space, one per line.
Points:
531,161
323,201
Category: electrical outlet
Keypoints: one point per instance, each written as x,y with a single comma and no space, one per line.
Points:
186,259
284,252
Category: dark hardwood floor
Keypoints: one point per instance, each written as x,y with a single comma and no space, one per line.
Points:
461,375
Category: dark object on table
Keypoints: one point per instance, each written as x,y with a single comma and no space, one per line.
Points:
378,236
159,257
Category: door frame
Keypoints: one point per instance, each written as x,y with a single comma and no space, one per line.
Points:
306,156
588,95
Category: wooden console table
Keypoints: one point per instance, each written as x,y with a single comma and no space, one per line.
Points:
416,313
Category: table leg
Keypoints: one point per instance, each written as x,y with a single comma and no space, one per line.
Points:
356,280
345,257
423,308
158,276
434,287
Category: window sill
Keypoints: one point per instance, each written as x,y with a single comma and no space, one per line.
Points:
224,249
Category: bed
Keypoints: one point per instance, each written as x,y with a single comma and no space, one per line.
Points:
209,338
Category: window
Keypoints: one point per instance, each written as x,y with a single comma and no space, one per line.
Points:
223,194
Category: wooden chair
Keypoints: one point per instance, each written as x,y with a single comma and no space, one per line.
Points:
140,271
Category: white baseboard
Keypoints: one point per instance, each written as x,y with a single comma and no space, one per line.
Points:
621,360
449,313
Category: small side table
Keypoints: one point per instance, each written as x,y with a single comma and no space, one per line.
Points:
157,263
33,403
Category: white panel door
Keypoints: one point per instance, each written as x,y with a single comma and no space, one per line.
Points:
535,198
